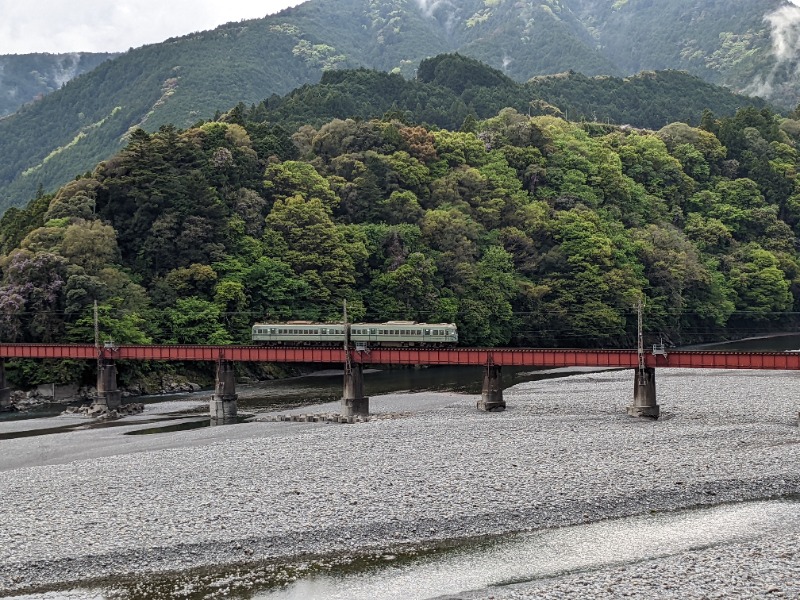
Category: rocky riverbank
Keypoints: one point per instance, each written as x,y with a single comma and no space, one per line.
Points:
23,400
563,453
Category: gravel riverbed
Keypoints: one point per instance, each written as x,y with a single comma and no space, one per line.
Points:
96,503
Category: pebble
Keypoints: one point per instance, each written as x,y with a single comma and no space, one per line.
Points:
563,453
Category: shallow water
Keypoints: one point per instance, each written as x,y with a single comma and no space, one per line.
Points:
469,566
548,553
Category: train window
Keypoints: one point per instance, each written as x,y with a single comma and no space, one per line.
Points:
373,331
427,332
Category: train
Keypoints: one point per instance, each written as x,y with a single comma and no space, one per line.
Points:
390,333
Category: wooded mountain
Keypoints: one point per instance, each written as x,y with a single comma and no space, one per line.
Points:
521,230
183,80
451,88
29,77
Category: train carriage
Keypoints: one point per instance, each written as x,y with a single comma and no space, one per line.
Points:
391,333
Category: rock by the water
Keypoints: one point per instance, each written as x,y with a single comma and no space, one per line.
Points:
101,412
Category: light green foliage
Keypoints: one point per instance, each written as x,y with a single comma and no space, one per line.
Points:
454,235
402,207
594,280
90,244
760,285
408,291
302,233
77,199
646,160
114,324
487,294
318,55
459,148
194,321
291,178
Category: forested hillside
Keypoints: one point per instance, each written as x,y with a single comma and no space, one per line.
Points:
448,89
26,78
185,80
522,230
451,88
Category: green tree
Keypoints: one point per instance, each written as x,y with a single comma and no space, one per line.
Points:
194,321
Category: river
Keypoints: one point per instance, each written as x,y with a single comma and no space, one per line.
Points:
449,567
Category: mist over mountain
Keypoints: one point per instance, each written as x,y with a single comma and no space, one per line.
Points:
26,78
746,45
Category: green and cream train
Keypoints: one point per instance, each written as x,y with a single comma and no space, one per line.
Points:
391,333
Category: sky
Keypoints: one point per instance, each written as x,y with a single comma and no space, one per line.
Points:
115,25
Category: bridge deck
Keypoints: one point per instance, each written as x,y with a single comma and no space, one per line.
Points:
524,357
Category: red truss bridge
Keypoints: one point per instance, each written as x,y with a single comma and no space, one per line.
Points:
502,357
223,402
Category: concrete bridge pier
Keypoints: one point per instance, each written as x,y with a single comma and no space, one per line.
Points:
5,391
108,396
644,394
223,402
492,392
354,403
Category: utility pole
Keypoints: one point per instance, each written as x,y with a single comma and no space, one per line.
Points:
640,335
348,367
97,337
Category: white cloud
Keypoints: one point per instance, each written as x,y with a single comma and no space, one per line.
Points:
784,23
103,26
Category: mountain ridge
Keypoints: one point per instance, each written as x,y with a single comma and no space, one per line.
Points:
187,79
